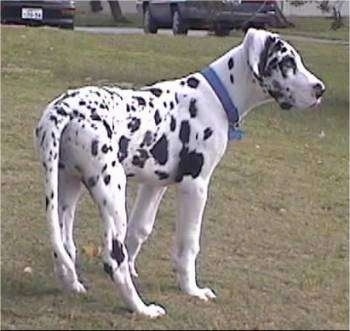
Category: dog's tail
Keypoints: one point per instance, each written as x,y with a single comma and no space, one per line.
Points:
48,134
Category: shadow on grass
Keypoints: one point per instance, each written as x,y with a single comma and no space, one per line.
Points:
13,285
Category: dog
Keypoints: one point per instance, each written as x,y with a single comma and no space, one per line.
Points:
171,133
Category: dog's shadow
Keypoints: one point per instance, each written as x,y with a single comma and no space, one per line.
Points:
23,285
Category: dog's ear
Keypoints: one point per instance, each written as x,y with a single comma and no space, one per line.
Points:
258,44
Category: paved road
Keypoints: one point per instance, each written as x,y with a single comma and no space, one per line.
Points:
196,33
113,30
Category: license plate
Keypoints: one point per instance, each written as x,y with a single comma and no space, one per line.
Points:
32,13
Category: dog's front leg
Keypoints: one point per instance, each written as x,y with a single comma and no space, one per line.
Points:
192,197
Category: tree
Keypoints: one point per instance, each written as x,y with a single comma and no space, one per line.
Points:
116,11
326,6
114,5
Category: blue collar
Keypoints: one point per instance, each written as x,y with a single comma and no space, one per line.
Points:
231,111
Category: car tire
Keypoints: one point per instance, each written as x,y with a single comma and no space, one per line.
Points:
221,31
149,25
69,26
179,26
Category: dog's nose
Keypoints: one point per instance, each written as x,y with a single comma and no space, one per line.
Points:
319,90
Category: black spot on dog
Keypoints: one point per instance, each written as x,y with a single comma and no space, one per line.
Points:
117,251
232,79
46,202
147,139
286,105
264,55
193,108
61,111
54,119
128,108
207,133
230,63
55,255
108,269
176,98
172,124
82,103
287,63
151,104
123,148
105,149
171,104
108,128
161,174
95,117
184,133
157,118
104,168
94,147
107,179
134,124
190,164
140,159
42,138
92,181
141,101
192,82
160,150
156,91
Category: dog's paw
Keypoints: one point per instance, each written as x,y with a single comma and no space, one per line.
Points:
132,269
153,311
204,294
75,287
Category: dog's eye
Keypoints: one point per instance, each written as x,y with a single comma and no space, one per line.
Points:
287,63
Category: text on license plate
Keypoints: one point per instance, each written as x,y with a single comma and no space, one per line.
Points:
32,13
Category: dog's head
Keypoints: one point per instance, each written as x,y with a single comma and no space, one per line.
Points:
279,70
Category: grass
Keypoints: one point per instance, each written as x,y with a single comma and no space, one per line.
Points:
317,27
275,235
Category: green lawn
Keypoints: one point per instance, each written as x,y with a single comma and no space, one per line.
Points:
317,27
275,235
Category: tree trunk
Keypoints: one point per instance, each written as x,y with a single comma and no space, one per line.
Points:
95,6
116,11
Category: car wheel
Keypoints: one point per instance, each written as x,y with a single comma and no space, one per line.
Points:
179,26
149,25
221,30
69,26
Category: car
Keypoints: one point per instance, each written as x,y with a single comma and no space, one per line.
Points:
218,16
34,13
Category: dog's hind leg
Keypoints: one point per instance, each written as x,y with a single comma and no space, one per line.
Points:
108,191
68,195
142,220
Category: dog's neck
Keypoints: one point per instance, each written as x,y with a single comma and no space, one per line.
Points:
245,91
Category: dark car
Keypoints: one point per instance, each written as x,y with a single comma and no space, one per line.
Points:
47,12
218,16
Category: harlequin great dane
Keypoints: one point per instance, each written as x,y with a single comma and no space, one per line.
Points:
173,132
